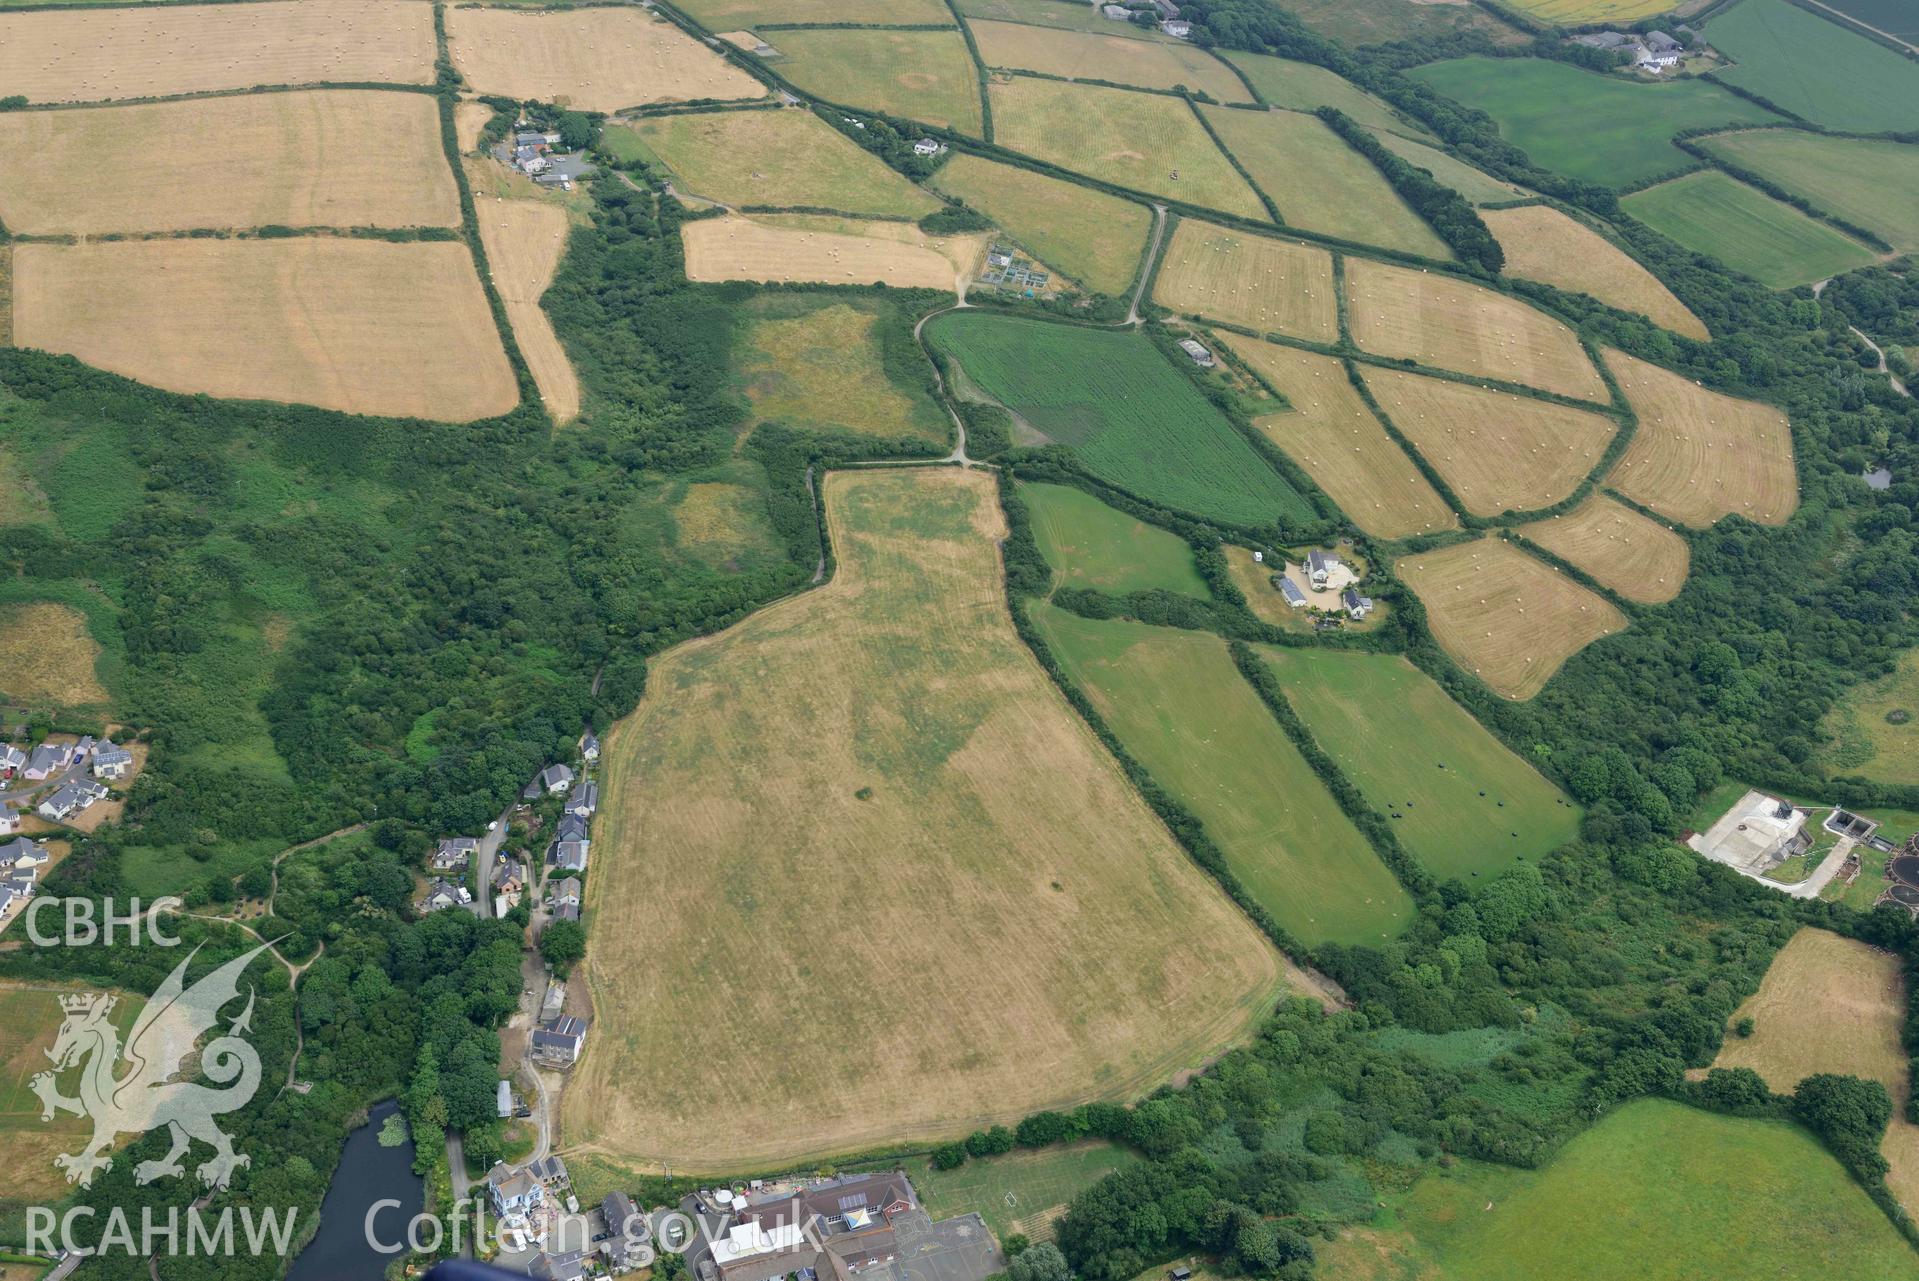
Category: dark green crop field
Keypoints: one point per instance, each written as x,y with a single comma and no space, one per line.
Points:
1815,68
1609,131
1131,417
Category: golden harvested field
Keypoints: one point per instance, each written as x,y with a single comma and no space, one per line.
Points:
803,248
1498,450
86,55
524,242
1507,618
292,159
595,59
1135,140
1272,286
30,1017
1333,435
788,158
824,368
919,75
364,326
955,909
469,118
1319,182
1444,321
724,15
1833,1004
46,656
1640,559
1117,59
1699,455
1543,244
1089,236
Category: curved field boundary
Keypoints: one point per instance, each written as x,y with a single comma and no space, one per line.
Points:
1505,617
1497,450
877,785
1442,320
1627,552
1700,455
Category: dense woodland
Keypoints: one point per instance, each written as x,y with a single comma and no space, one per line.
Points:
459,601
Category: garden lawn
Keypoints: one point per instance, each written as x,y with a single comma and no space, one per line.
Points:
1458,798
1815,68
1021,1192
1180,707
1585,125
1132,418
1746,229
1091,545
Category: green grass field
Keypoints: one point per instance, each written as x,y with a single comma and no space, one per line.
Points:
1068,15
1319,182
1020,1192
1390,728
1303,87
1746,229
1086,235
1142,141
1656,1191
1183,710
1585,125
1476,185
1876,726
784,158
833,363
1869,183
1364,22
1133,419
1089,544
920,75
1815,68
1897,18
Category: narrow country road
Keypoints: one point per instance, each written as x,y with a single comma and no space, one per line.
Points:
939,379
1892,377
490,842
1146,267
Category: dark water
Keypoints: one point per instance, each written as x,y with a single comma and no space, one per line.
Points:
367,1173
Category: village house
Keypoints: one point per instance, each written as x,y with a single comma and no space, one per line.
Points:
9,820
564,1265
627,1231
453,855
444,894
835,1228
71,800
584,799
1176,27
928,147
566,892
514,1194
1201,357
589,747
47,760
568,856
1320,567
571,827
1356,605
555,779
561,1042
553,1002
111,762
22,853
12,760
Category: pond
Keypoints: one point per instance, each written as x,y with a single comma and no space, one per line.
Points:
367,1173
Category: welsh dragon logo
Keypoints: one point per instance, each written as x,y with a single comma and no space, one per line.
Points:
149,1096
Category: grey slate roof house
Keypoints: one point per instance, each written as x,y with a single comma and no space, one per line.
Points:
556,779
110,761
47,760
1356,605
442,895
568,856
567,891
571,827
70,800
452,854
12,760
9,820
1319,567
568,1265
589,747
584,799
560,1042
22,852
